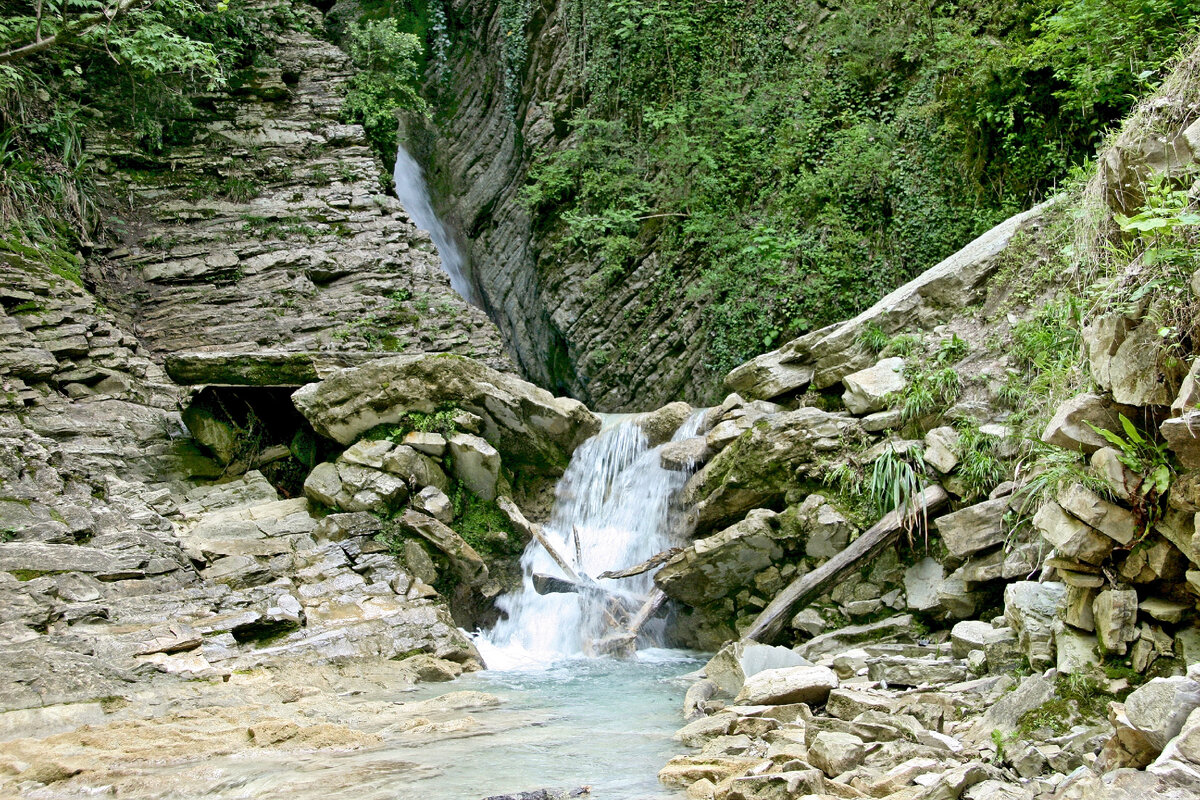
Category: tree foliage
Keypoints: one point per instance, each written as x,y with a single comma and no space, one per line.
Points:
386,83
802,159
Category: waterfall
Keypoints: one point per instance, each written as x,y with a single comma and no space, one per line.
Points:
619,499
414,196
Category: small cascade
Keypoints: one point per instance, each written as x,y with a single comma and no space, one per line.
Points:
613,509
414,196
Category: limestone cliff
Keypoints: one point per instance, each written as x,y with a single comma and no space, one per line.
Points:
627,346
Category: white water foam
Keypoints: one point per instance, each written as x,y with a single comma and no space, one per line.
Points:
414,196
620,501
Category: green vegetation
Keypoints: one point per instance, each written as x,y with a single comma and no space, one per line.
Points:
483,525
386,82
1149,459
979,462
441,421
797,159
1076,697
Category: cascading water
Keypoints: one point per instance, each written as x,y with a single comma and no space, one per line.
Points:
414,196
617,499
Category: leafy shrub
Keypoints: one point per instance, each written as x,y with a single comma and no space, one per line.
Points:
386,83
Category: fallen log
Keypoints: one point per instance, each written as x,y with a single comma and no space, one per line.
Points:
510,510
812,585
647,565
624,643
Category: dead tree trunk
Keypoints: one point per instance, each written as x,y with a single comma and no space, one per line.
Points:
812,585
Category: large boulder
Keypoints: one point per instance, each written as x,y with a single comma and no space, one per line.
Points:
715,566
764,461
531,428
807,684
1159,708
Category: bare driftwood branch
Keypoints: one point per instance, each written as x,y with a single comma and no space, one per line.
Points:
510,510
811,585
647,565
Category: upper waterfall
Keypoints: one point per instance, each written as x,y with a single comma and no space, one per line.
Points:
414,195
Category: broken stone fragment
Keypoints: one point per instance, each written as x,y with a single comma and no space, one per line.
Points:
1069,427
1108,518
941,449
868,390
1115,613
1070,536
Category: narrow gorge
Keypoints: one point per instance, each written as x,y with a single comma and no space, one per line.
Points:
632,400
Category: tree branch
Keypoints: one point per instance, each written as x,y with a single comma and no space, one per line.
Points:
81,25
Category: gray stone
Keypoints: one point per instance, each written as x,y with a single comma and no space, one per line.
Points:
1076,652
435,503
1160,707
899,626
716,566
1183,437
368,453
476,464
1078,608
768,376
921,583
941,449
465,560
826,530
902,671
888,419
431,444
418,469
1032,609
1115,613
1071,537
737,661
806,684
974,528
868,390
684,455
1110,519
659,426
810,621
1106,463
997,644
1068,427
834,753
1005,714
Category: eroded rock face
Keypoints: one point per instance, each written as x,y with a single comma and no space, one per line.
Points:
529,426
309,266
